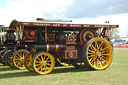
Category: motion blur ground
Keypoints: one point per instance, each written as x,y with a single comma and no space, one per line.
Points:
116,74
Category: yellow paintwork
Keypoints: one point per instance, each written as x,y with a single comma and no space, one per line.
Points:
62,63
9,59
43,63
28,60
99,54
18,58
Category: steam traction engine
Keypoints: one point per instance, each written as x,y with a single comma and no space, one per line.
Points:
7,39
43,44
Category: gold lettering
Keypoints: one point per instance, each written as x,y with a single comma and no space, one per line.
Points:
113,26
86,25
65,25
99,26
25,23
56,24
75,25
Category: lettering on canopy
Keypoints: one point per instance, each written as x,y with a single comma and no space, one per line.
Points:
67,25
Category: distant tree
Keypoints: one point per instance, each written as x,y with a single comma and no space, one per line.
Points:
115,34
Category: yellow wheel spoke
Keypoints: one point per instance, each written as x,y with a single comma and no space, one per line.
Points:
23,55
39,59
105,54
95,63
39,68
100,45
96,45
47,59
19,64
104,48
93,59
99,62
91,51
48,64
91,56
47,67
93,47
19,55
44,68
42,58
37,64
17,59
103,57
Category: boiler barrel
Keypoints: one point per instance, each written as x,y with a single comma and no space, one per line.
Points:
49,47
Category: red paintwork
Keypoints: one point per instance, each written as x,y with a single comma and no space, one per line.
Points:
121,45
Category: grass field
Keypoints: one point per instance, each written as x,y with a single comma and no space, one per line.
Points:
116,74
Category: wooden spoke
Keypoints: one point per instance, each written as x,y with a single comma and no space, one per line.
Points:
92,60
91,51
93,47
46,59
104,48
105,54
39,59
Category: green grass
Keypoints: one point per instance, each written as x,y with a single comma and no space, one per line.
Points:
116,74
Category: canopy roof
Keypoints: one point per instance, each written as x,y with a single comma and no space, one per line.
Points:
15,23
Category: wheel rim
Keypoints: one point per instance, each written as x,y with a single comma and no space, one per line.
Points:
43,63
9,59
99,54
62,63
28,61
18,59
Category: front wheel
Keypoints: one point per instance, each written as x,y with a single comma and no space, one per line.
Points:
28,61
9,58
18,58
43,63
97,54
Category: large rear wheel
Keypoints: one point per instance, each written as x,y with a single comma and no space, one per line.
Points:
97,54
18,58
43,63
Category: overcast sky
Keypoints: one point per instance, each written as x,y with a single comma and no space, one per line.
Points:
82,11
